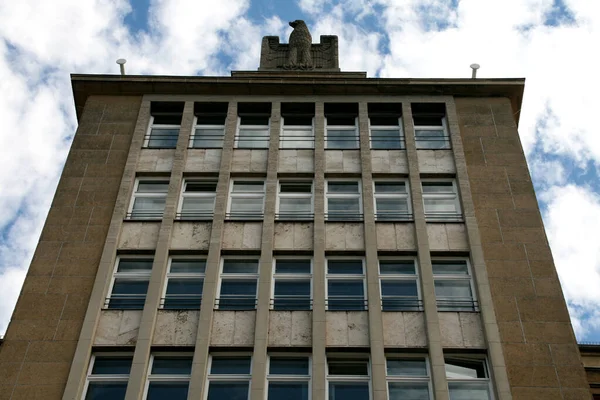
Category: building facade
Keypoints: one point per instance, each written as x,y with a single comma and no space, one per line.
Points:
297,233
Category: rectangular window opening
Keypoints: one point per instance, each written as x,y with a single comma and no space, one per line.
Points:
385,126
197,200
295,200
238,284
108,377
399,285
392,200
343,201
431,131
165,122
341,126
209,129
292,284
253,126
440,201
345,285
130,283
453,285
297,128
246,199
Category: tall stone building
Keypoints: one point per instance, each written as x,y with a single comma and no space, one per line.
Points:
294,232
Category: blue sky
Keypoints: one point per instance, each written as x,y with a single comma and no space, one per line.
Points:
550,42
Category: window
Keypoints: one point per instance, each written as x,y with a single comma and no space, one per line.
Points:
229,378
107,377
440,201
297,126
392,201
169,377
289,378
399,285
430,126
385,125
453,285
348,379
239,280
345,285
294,200
185,279
343,201
197,200
292,284
341,126
149,198
246,199
209,125
165,122
468,378
408,379
130,283
253,126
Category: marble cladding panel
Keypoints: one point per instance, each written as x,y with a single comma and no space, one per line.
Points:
176,328
190,235
296,160
396,236
293,236
156,160
443,237
233,328
118,327
203,160
290,328
346,161
242,235
436,162
249,160
344,236
389,162
139,235
461,330
404,329
347,328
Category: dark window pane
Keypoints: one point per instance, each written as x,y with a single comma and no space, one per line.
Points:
348,367
288,391
106,391
167,390
297,120
112,366
240,266
183,286
409,391
163,138
292,266
450,267
288,366
342,187
208,138
254,120
172,365
210,119
406,367
469,390
127,286
390,187
399,267
228,391
428,120
348,391
230,366
341,120
399,288
344,266
292,288
153,187
296,187
188,266
383,120
438,187
134,264
167,119
238,287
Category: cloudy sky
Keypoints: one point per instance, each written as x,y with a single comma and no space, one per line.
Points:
553,43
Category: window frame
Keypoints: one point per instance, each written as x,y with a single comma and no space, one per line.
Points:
238,138
296,195
291,277
343,128
310,139
397,216
128,276
347,277
165,377
348,378
288,378
181,215
442,217
182,275
227,377
231,194
131,215
151,126
473,358
359,195
474,307
399,277
407,378
399,128
197,126
446,138
237,276
108,377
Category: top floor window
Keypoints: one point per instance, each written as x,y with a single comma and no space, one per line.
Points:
341,131
165,122
297,127
209,125
385,125
253,126
431,131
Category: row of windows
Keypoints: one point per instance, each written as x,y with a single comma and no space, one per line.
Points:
297,126
343,199
288,377
291,286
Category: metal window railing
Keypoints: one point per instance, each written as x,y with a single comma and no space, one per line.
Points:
125,302
399,303
291,303
393,216
236,303
244,216
146,215
382,142
162,140
343,216
181,302
346,303
443,217
194,215
457,305
295,216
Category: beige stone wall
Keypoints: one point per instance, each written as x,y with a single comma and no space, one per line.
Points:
41,338
537,339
